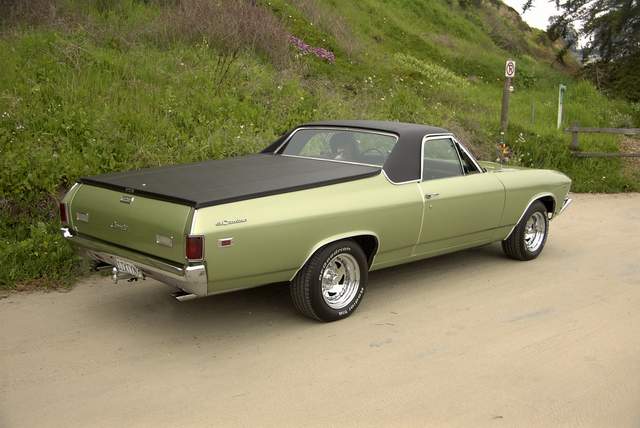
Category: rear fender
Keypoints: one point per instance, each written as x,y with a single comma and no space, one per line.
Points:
336,238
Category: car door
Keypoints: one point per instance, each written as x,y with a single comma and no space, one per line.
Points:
462,203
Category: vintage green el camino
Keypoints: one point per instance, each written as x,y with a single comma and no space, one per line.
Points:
319,208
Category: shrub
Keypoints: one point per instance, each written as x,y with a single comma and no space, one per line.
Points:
40,258
14,12
228,26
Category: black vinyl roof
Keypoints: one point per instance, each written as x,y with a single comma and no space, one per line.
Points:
405,161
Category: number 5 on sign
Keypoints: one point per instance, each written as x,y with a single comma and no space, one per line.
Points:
510,69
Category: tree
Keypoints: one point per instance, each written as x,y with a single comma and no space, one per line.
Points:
612,27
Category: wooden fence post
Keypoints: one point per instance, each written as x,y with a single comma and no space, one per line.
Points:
574,138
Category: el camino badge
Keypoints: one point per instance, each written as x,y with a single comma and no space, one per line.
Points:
230,222
119,226
126,199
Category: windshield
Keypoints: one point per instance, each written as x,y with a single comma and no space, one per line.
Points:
341,145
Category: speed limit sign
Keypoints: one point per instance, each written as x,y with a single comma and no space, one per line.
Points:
510,69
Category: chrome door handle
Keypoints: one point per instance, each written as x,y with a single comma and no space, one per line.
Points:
431,195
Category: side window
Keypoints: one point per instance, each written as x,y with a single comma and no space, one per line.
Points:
440,160
467,164
317,146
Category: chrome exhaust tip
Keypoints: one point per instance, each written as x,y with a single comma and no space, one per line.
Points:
182,296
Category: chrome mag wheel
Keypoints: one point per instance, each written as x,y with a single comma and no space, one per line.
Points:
534,231
340,281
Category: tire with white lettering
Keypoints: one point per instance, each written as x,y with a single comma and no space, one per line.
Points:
527,239
330,286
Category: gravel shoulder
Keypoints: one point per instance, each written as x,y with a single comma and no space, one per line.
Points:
467,339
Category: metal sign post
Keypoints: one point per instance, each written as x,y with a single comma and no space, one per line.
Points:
509,73
561,92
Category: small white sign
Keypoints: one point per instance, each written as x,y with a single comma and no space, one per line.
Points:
510,68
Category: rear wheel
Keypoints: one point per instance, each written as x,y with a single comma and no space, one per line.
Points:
331,284
527,240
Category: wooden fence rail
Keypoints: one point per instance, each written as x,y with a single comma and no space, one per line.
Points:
575,145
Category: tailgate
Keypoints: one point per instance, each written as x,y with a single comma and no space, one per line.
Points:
150,226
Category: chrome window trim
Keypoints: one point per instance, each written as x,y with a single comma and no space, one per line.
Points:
426,138
399,183
332,128
430,137
455,146
468,153
419,179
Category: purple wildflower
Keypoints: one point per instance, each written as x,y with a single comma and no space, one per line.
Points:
305,49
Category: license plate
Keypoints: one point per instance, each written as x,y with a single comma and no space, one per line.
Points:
128,268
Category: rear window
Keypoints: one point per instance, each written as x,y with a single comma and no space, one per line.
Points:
343,145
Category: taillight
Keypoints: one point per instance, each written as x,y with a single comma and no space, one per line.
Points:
64,218
195,248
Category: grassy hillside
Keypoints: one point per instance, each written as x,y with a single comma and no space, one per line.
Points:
95,86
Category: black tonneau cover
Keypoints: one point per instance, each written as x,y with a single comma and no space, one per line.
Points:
218,182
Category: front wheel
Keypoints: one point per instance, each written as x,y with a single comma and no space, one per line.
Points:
530,234
331,284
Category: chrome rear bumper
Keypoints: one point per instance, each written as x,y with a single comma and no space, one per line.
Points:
190,278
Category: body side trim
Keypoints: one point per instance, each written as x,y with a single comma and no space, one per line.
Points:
335,238
194,218
531,201
565,205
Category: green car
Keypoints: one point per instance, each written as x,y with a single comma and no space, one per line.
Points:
319,208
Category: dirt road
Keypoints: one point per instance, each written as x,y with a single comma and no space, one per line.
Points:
469,339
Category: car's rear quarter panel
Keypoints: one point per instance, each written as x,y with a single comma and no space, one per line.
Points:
144,218
282,231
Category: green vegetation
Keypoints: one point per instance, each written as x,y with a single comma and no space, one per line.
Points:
96,86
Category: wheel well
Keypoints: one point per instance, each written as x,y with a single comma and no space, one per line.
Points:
369,245
549,203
